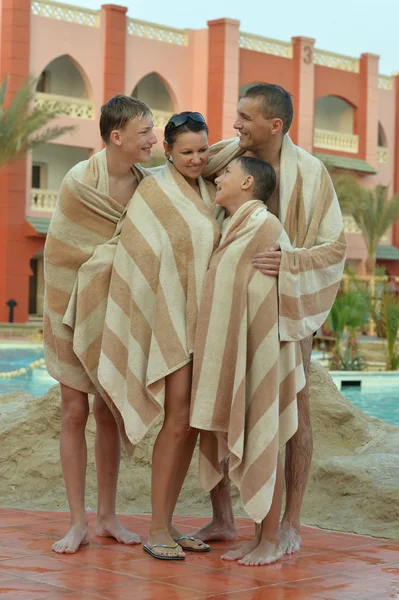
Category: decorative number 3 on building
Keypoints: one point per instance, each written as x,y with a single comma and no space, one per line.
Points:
307,55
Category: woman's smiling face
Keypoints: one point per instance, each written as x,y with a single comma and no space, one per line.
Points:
189,153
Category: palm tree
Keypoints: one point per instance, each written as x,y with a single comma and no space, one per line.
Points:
371,210
22,125
349,312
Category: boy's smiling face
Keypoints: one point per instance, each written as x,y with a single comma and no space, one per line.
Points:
230,185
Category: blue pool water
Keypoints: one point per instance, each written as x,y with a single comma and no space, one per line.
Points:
377,397
17,355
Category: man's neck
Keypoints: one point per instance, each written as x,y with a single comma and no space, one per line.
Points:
116,165
271,153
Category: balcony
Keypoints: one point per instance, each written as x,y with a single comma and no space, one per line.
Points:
334,140
43,200
76,108
350,224
382,155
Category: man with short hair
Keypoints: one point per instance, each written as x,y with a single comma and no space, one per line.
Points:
92,199
305,202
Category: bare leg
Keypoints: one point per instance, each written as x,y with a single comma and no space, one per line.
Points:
268,550
222,526
74,414
170,444
297,464
108,452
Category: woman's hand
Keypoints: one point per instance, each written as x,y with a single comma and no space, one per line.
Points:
268,263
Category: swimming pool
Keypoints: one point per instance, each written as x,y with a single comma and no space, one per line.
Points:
377,395
13,356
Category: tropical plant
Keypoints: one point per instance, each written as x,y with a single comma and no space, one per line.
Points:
392,329
371,210
349,313
22,125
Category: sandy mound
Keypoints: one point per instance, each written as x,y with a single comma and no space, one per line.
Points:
354,484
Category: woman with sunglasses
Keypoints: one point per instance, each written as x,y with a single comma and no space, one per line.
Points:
166,243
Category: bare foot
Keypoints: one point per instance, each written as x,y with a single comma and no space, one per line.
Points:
77,535
290,540
189,541
159,538
114,528
242,551
216,531
266,553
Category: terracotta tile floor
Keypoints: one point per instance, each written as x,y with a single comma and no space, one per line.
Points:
330,566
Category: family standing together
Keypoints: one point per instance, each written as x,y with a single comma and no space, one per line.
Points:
192,291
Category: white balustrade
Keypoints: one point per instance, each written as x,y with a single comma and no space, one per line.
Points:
43,200
382,155
66,12
160,33
336,61
350,224
385,82
266,45
334,140
160,118
77,108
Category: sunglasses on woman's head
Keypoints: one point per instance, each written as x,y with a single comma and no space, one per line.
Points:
178,120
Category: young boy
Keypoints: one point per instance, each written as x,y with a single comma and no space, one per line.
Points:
245,382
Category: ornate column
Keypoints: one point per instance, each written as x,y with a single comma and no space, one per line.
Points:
303,125
114,25
223,77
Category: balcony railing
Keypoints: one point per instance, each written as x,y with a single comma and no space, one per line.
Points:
385,82
77,108
160,33
160,118
66,12
333,140
350,224
336,61
43,200
382,155
266,45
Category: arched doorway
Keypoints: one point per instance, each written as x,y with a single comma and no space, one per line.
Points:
153,91
62,78
335,125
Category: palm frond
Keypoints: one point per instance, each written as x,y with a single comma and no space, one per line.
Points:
371,210
22,125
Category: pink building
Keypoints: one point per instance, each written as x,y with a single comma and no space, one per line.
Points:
345,111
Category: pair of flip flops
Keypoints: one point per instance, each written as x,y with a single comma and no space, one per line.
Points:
149,548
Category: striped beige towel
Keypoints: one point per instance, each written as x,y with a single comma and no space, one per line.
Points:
313,262
165,246
84,218
245,382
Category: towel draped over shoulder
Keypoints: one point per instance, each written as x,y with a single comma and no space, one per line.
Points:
313,258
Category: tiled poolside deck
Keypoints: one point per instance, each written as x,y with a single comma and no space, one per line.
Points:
330,566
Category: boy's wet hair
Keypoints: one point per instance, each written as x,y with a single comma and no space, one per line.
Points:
264,176
118,111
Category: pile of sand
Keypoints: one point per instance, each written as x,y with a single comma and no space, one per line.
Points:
354,483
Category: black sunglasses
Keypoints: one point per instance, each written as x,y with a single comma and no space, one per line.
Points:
178,120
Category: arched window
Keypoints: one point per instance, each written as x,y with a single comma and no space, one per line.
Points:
152,90
334,114
62,78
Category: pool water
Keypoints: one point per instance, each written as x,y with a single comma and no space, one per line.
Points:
379,401
15,355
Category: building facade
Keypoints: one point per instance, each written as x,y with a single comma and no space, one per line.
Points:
346,112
